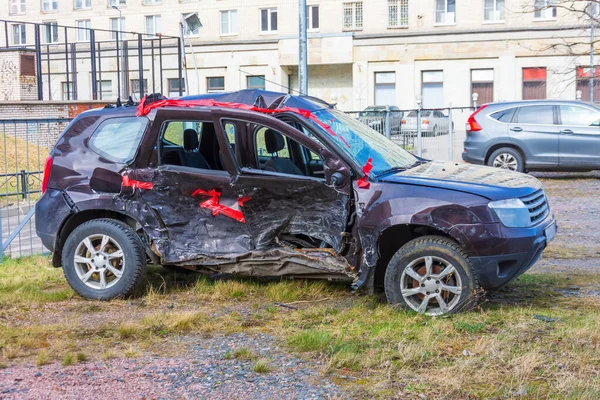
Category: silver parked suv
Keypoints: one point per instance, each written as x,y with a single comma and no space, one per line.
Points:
535,135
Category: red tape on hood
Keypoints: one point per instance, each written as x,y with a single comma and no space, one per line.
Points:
363,182
216,208
144,109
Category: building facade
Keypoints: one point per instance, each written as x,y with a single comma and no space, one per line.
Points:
397,52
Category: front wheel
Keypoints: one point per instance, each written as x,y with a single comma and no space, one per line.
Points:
431,275
103,259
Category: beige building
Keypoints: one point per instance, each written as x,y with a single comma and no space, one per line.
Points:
361,53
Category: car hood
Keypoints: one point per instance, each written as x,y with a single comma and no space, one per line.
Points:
492,183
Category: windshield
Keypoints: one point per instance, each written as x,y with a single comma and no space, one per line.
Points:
361,143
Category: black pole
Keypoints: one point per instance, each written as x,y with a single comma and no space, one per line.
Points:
100,69
126,67
153,69
48,64
74,69
23,176
38,62
180,66
6,33
160,63
141,65
93,64
67,64
118,67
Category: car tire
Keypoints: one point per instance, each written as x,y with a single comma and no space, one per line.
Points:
103,259
427,264
507,158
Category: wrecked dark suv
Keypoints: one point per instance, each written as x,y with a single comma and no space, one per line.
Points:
258,183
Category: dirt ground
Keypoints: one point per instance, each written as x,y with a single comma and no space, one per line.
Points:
536,338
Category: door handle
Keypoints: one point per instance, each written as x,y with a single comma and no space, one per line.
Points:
516,129
566,132
162,188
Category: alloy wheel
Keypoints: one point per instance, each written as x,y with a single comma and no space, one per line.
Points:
506,161
99,261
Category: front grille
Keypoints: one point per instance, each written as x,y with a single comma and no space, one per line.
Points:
537,205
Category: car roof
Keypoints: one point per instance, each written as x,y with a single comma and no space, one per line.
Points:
518,103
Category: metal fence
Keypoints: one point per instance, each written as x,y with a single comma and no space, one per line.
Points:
24,146
79,63
439,135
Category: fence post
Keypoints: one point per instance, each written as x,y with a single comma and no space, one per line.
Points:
419,133
38,62
451,132
141,65
23,177
180,67
1,242
93,64
388,127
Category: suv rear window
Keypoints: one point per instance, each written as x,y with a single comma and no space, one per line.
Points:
504,115
117,139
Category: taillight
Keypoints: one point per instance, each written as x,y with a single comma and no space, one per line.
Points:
472,124
47,169
403,122
425,122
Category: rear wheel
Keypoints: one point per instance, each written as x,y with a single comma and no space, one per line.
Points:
103,259
507,158
431,275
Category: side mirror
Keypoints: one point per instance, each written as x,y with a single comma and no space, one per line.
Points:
337,179
106,181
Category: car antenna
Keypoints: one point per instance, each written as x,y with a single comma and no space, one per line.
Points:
119,102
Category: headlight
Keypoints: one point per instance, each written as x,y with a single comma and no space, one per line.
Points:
513,213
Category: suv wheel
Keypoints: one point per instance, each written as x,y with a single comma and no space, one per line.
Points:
431,275
507,158
103,259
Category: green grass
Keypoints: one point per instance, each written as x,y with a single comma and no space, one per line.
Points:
491,352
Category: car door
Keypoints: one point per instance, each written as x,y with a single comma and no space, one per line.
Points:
285,199
191,189
535,131
579,141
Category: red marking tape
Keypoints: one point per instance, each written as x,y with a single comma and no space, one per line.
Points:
363,182
128,182
216,208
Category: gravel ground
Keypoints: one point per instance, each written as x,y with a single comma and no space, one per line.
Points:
205,372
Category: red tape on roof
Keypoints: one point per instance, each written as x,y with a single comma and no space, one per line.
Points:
144,109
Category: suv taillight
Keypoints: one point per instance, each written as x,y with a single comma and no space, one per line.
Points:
472,124
47,169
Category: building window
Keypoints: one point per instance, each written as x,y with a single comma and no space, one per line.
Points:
493,10
385,88
482,83
583,83
397,13
116,24
83,30
153,25
256,82
544,9
229,22
215,84
445,11
17,7
19,32
50,32
268,20
432,89
135,86
152,2
49,5
353,15
534,83
312,16
186,26
117,3
83,4
174,86
105,90
67,92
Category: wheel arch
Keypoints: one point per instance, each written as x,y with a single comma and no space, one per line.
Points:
81,217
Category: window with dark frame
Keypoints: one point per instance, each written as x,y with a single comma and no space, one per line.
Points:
534,83
173,84
135,86
215,84
268,20
312,16
19,34
256,82
583,83
50,32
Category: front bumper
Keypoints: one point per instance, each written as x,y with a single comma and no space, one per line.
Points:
500,254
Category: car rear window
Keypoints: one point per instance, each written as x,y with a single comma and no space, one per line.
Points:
117,139
537,115
504,115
